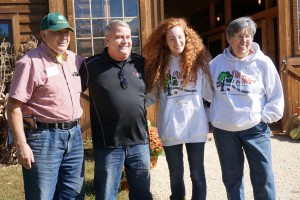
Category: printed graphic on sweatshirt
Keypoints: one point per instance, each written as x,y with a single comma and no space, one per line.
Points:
174,87
235,80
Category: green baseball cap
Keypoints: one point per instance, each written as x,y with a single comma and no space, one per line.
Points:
54,22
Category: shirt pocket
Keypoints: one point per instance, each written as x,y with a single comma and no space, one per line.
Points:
76,83
183,123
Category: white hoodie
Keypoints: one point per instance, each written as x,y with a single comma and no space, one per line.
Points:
181,114
247,91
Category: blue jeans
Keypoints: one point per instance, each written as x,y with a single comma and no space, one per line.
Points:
174,156
108,170
256,144
58,171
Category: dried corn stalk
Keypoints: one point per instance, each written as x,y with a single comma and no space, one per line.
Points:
8,58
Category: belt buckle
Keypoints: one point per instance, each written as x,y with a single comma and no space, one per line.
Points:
63,125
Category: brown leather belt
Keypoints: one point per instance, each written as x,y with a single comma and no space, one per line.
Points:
62,125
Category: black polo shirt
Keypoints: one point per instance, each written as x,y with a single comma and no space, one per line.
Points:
118,116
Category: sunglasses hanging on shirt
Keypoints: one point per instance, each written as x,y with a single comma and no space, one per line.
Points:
122,78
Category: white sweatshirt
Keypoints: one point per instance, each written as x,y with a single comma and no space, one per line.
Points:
181,114
247,91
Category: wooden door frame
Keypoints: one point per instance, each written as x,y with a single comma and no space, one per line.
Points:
151,13
285,53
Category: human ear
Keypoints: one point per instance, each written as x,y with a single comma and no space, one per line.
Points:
43,35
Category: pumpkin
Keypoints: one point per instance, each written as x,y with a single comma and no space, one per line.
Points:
295,133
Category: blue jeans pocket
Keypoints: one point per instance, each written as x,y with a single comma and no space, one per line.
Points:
33,135
262,128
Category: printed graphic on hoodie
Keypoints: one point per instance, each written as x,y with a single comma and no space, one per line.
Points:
235,80
174,86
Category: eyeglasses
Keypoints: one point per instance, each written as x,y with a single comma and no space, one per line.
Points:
242,37
123,79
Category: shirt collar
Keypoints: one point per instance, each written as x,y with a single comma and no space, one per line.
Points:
52,55
110,59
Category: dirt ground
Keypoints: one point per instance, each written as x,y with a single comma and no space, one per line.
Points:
286,166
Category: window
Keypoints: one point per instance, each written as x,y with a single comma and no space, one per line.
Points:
91,16
9,29
4,30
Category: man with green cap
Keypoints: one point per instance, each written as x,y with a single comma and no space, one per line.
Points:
43,115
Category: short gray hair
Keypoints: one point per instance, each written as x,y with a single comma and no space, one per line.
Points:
110,26
239,24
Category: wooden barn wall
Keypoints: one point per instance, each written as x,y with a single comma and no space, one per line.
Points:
85,119
30,14
293,89
292,83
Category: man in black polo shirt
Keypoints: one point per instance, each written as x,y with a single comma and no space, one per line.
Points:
118,115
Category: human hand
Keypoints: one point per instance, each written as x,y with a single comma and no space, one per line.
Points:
25,156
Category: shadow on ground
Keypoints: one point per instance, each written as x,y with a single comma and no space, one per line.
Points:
284,138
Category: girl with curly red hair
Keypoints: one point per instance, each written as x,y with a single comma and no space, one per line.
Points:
177,75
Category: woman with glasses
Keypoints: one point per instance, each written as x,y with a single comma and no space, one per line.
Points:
248,96
177,75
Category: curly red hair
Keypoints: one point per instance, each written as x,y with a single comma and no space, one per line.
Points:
156,51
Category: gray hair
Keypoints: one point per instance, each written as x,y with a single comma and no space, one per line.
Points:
110,26
239,24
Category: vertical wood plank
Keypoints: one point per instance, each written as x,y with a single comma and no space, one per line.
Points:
162,10
151,12
227,11
155,12
263,26
284,33
146,20
212,14
69,5
270,37
57,6
268,4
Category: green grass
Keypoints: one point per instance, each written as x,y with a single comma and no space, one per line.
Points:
11,182
89,180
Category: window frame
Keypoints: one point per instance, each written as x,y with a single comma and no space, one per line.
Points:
106,18
12,20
